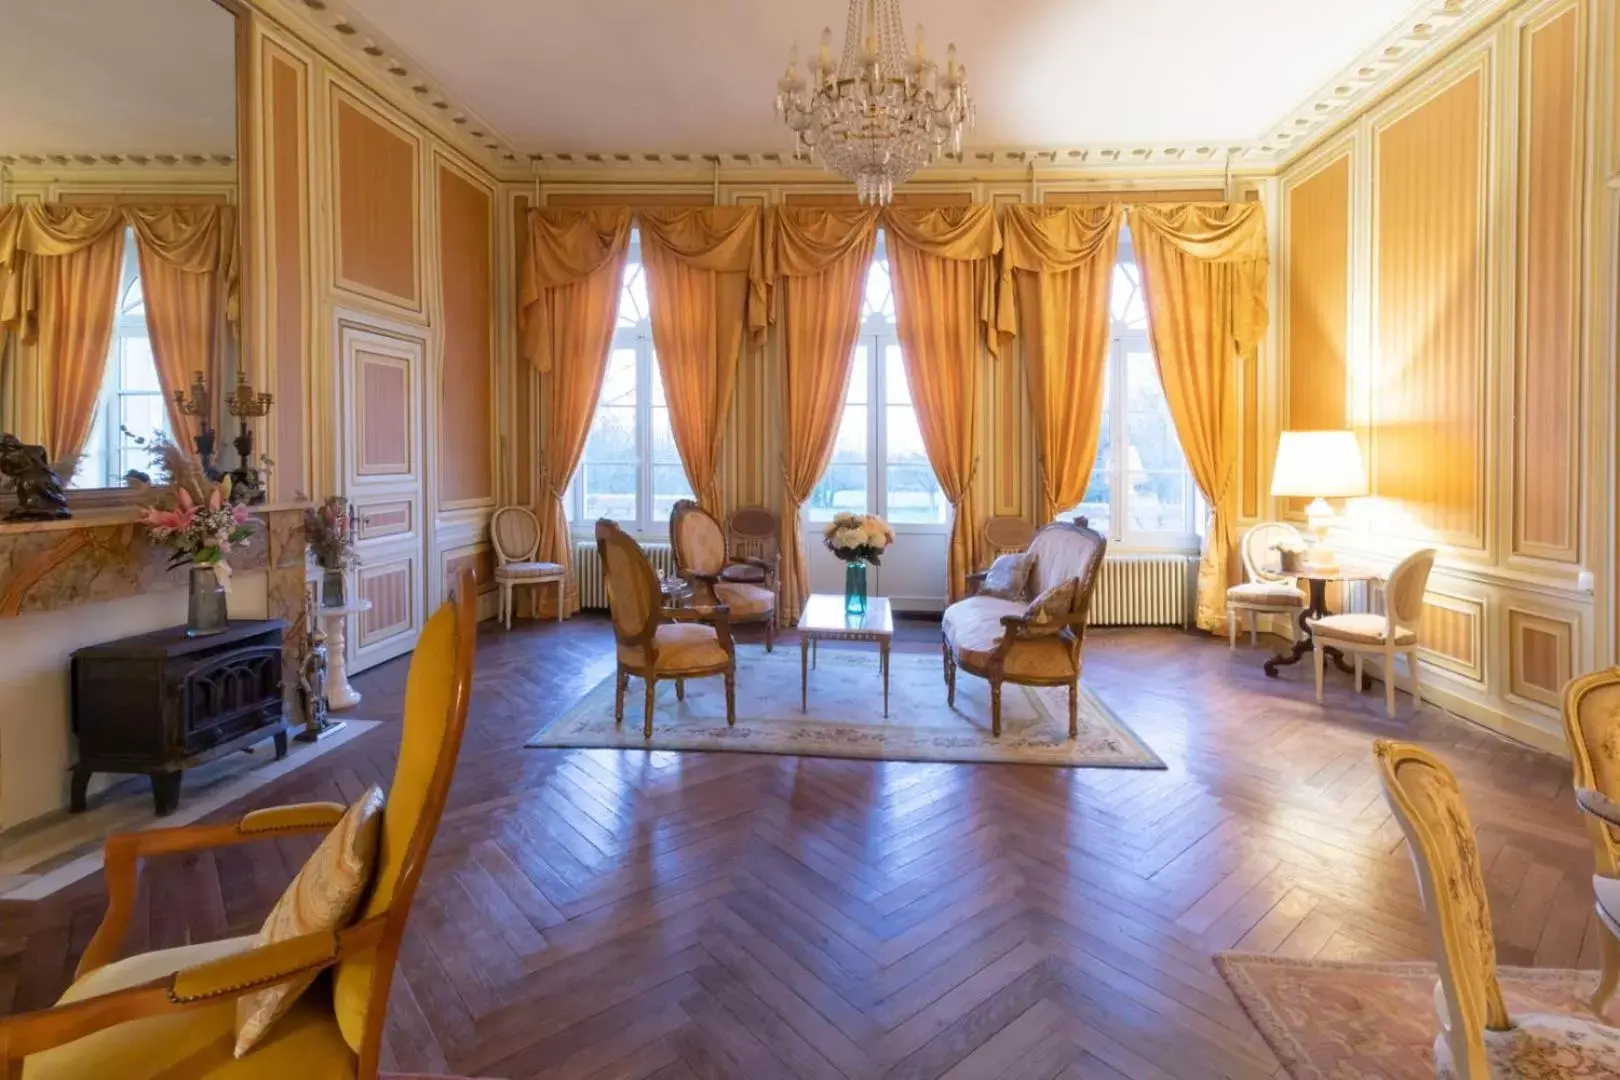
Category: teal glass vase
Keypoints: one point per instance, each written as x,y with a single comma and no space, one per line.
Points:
855,587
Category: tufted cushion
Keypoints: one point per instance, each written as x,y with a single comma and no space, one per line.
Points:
1265,594
973,628
745,601
1360,628
745,572
1543,1046
197,1043
681,646
323,896
515,571
1008,576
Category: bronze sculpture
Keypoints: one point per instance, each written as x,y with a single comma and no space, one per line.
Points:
38,488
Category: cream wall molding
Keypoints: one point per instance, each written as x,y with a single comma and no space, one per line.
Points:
118,161
368,56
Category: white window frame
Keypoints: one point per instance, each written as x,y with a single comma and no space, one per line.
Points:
637,338
878,332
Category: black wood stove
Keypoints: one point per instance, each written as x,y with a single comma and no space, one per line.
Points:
163,702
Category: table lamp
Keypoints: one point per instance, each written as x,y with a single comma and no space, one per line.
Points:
1319,465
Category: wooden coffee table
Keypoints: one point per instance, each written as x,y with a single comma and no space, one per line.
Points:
824,620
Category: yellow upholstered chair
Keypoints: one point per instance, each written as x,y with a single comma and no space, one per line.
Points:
1386,635
655,642
170,1014
1267,590
515,532
1478,1040
1592,729
746,585
994,638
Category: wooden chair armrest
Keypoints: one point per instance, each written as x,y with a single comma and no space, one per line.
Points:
192,988
124,852
974,581
706,613
1019,626
695,576
1598,805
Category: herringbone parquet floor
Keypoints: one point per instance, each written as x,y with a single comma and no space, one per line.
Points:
598,914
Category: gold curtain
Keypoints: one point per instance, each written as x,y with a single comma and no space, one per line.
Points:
1059,261
817,265
943,263
188,275
568,302
73,321
1204,280
705,282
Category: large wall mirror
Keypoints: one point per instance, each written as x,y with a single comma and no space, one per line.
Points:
120,249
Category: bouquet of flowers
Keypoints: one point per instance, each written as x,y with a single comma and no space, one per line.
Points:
329,529
858,537
194,515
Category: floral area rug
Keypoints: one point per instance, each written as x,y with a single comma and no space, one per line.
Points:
845,715
1333,1020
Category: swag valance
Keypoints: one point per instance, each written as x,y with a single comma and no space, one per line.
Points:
190,239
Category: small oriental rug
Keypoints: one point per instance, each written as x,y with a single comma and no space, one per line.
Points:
1332,1020
845,717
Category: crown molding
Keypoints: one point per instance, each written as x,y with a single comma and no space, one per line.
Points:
1429,30
121,162
344,36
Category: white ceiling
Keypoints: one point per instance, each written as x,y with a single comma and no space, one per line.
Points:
117,76
691,76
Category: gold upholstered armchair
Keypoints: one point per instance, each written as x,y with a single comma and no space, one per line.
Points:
1002,639
171,1014
1591,726
655,642
1478,1039
746,585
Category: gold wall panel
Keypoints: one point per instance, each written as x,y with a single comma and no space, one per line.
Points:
384,415
379,519
377,205
286,126
1546,361
479,558
1427,399
1317,228
1541,656
466,407
1449,634
389,587
524,377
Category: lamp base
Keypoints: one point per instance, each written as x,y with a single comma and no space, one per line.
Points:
1319,556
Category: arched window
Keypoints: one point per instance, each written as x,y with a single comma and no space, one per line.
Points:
631,471
1141,493
879,464
131,402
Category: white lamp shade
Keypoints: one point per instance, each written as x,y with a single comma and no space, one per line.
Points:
1318,465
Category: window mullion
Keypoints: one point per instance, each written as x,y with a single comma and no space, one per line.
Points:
1119,452
877,421
644,377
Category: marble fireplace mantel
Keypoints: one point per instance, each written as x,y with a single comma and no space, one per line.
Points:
94,578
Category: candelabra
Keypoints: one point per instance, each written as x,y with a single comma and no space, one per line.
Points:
197,406
245,405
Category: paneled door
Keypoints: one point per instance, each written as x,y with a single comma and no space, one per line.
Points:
383,372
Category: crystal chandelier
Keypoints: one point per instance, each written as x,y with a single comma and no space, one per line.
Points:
877,115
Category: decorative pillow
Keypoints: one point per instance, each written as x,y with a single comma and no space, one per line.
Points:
1054,602
1008,576
324,896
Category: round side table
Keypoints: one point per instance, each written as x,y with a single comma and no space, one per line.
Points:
339,694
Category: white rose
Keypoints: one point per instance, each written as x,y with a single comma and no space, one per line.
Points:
850,538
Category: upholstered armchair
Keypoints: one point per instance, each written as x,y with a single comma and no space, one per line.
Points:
1478,1040
655,642
172,1012
997,639
746,585
1591,728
